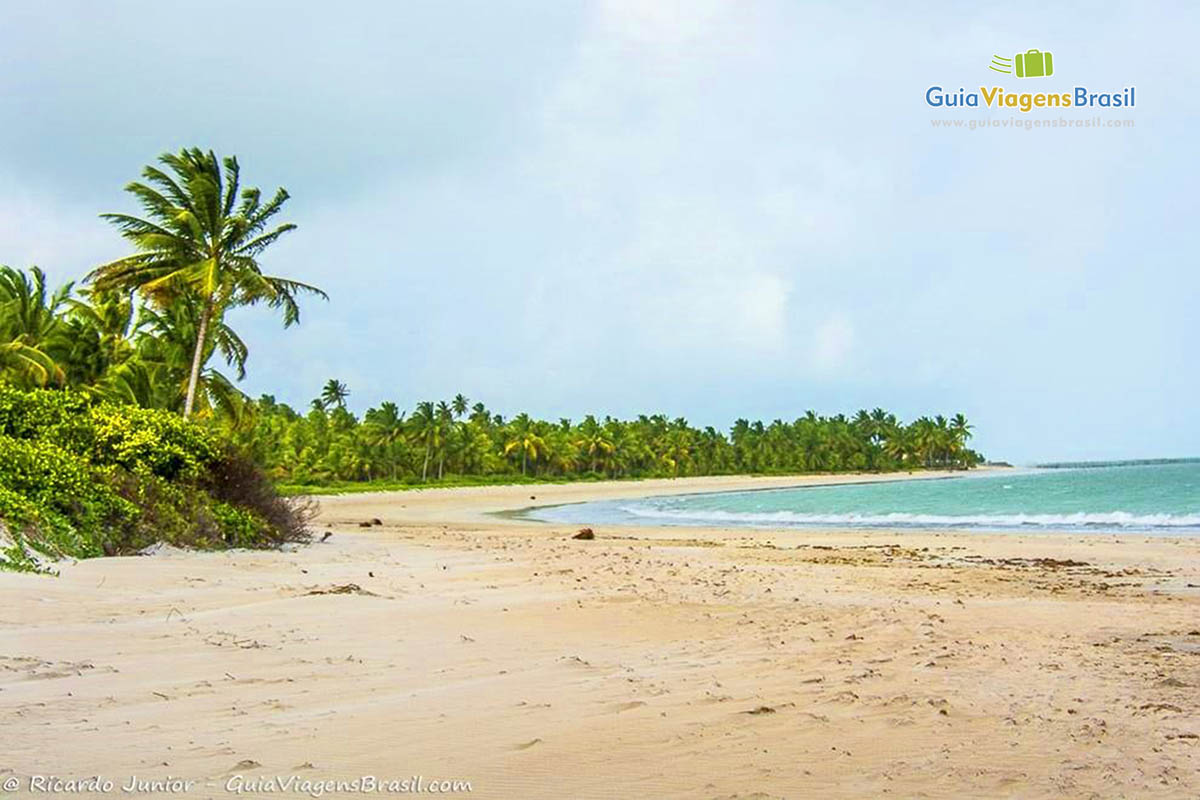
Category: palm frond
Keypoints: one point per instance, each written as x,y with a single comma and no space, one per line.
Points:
232,183
257,245
167,184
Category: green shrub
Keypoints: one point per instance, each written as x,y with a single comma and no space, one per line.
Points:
25,415
149,439
31,534
241,528
81,479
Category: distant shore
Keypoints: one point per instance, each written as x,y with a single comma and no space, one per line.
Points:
495,504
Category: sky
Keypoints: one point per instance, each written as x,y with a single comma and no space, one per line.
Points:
706,209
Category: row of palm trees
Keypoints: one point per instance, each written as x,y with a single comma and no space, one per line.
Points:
146,326
455,438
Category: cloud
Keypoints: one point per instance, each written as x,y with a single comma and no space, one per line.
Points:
833,341
714,209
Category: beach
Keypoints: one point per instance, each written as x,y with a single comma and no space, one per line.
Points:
437,634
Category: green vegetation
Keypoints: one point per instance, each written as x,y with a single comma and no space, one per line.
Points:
80,478
145,327
200,245
453,443
96,384
105,464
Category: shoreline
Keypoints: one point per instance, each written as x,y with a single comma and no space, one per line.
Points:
497,503
649,662
509,506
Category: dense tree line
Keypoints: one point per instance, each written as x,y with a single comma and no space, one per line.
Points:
458,438
146,330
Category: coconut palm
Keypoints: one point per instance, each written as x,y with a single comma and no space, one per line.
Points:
202,236
33,334
427,431
445,417
385,429
26,364
31,330
334,394
102,330
593,442
524,437
156,376
30,309
960,428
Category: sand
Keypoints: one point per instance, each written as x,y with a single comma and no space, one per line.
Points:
452,644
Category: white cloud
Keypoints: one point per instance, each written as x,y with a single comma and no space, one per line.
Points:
833,343
562,206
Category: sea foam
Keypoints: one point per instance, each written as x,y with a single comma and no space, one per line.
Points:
1108,519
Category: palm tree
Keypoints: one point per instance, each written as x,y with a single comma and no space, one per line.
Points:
202,237
426,429
156,375
334,394
445,416
459,404
28,364
385,428
102,330
959,424
594,443
31,332
524,437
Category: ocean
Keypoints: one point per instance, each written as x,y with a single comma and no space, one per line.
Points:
1152,497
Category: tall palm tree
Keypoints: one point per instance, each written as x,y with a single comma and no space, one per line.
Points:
202,236
427,430
459,405
445,416
481,416
385,428
524,437
157,375
960,429
334,393
594,442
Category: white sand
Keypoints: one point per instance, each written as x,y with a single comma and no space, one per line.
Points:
535,666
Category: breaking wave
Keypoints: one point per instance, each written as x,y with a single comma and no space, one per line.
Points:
1119,520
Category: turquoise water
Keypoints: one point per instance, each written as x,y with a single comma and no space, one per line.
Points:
1162,498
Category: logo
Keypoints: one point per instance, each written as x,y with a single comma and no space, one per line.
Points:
1030,64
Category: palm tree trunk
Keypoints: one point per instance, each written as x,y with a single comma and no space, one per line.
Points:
197,358
425,464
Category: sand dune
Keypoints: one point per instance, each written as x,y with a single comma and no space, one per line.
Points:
649,662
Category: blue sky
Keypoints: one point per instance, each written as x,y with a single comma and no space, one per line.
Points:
707,209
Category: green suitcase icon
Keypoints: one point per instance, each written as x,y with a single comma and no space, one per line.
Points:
1035,64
